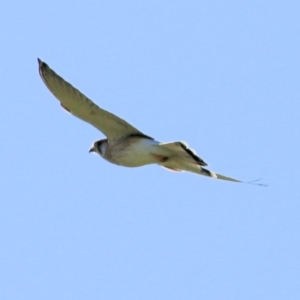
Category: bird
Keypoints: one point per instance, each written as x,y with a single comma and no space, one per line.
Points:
124,144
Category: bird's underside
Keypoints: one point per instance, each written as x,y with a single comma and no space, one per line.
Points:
125,145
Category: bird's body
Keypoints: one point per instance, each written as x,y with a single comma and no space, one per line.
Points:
125,145
137,151
132,151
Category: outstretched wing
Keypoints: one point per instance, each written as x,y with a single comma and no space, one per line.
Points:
82,107
181,158
212,174
222,177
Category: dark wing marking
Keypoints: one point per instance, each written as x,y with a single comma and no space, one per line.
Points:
140,135
192,153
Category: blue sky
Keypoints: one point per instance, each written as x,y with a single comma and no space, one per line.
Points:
222,76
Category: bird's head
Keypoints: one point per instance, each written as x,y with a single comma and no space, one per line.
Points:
99,147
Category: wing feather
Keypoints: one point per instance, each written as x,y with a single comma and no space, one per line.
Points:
82,107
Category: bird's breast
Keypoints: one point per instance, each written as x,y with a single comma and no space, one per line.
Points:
132,152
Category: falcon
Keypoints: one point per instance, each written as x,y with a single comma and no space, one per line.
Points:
125,145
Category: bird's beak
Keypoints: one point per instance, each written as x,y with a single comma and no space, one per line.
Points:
91,150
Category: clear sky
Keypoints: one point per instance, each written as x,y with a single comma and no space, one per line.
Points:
222,76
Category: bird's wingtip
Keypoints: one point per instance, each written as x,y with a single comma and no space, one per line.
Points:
255,182
41,63
42,67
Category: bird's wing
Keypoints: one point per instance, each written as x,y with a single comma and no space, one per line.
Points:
222,177
82,107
